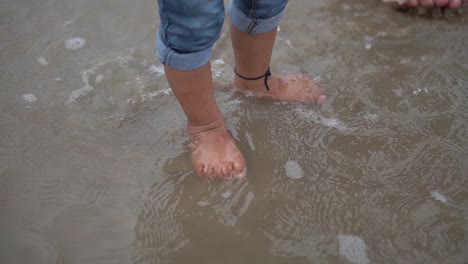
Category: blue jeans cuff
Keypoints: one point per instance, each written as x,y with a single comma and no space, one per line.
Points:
252,26
181,61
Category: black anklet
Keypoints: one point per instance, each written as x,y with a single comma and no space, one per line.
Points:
266,75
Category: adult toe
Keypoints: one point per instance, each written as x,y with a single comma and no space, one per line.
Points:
412,3
454,4
427,3
441,3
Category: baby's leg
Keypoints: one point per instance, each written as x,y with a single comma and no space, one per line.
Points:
185,39
253,30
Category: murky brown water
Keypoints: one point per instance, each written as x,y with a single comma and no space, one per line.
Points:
94,164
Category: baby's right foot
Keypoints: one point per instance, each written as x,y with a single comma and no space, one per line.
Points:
214,152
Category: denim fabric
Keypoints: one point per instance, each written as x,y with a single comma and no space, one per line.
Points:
189,28
187,32
256,16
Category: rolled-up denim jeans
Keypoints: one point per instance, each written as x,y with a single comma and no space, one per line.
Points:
189,28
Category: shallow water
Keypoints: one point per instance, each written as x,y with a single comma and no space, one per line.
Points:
94,163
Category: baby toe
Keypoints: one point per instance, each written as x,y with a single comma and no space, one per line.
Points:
227,170
207,171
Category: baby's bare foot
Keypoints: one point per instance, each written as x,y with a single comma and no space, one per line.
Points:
291,88
214,152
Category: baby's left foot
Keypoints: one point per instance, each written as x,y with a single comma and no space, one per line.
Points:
290,88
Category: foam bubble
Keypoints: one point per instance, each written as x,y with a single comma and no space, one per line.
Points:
368,40
219,62
83,91
75,43
242,174
419,90
68,22
400,2
248,199
398,92
248,136
131,102
438,196
353,249
155,69
78,93
125,60
98,78
405,61
318,118
149,96
370,117
203,203
226,194
345,7
293,170
234,102
219,69
30,98
144,63
85,75
42,61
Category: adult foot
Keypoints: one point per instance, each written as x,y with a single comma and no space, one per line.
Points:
214,152
290,88
453,4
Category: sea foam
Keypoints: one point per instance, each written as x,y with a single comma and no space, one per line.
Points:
75,43
293,170
353,248
30,98
319,118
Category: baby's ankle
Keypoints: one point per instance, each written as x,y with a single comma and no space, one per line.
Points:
195,128
253,85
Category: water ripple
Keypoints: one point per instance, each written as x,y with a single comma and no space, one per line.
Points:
159,232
